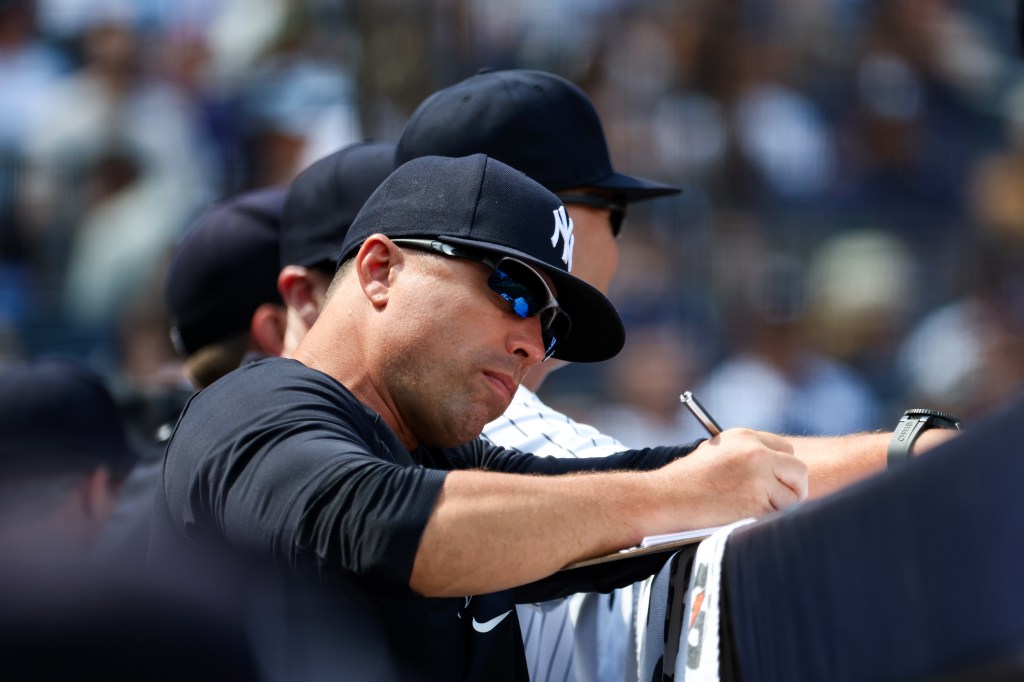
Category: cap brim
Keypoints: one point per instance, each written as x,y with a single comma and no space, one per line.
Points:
597,331
634,189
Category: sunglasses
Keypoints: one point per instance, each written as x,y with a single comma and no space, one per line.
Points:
616,207
517,283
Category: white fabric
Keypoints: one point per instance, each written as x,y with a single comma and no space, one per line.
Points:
698,660
552,636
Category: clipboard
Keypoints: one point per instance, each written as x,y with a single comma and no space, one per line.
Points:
650,545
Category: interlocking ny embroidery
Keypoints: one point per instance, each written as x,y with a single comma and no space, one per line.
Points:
563,229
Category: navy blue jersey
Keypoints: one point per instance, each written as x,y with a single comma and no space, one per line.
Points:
281,460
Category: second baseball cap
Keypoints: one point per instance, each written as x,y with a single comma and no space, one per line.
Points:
223,269
536,122
325,197
481,203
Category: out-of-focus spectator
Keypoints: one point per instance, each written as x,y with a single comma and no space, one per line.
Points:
995,198
644,383
299,100
118,167
860,298
29,69
297,111
774,380
967,357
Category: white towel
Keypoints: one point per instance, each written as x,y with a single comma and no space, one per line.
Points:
698,640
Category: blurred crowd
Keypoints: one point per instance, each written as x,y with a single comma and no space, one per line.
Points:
848,242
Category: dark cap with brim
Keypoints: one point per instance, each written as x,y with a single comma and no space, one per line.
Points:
534,121
482,203
57,416
325,197
224,268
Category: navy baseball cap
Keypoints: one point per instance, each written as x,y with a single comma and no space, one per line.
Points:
325,197
534,121
482,203
57,415
224,268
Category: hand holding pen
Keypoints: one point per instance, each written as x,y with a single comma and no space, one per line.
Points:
700,413
752,458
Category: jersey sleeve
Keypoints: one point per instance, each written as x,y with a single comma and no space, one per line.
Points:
482,454
305,487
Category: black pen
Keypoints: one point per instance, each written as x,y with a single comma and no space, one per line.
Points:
700,413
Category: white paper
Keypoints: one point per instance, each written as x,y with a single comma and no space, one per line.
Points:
665,538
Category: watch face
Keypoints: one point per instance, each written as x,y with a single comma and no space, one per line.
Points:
940,417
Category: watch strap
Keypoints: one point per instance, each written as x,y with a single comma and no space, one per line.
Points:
912,424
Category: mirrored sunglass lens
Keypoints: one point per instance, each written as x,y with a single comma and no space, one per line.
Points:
526,300
523,300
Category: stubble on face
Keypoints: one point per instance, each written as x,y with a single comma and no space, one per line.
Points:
434,359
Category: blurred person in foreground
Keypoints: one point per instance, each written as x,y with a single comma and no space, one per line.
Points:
64,455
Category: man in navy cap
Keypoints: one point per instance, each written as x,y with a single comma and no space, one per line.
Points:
321,203
64,455
360,460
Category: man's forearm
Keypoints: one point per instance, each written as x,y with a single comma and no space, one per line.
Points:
837,461
492,531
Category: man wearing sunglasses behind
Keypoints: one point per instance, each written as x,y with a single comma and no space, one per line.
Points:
360,459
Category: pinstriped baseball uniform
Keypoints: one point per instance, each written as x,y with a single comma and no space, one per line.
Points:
560,647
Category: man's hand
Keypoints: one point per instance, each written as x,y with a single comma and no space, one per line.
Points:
737,474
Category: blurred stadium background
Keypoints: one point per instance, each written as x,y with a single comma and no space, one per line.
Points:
848,242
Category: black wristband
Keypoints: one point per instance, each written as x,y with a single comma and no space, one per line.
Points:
912,424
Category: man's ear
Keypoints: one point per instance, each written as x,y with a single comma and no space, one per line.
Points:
297,292
375,263
267,329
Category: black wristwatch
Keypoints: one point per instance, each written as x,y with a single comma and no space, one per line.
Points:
912,424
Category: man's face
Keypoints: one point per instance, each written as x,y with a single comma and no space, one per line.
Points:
596,253
457,353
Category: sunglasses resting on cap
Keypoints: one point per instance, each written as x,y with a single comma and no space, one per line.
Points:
520,285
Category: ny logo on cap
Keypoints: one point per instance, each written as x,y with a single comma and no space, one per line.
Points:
563,229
